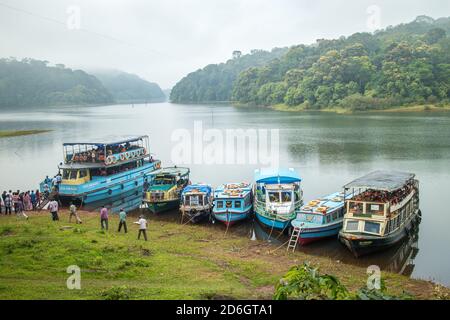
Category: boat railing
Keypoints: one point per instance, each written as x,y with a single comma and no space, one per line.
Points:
99,157
260,207
159,196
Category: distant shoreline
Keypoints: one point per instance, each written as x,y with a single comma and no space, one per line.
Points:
341,110
17,133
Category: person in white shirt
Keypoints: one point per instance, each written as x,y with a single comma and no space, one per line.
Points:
142,227
53,208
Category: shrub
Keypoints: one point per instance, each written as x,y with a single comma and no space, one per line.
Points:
117,293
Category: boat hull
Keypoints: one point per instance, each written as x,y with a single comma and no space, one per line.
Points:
272,223
361,245
105,188
231,218
163,206
196,216
307,236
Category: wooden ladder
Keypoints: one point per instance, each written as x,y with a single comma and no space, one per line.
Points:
294,239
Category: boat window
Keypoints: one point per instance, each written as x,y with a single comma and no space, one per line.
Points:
312,218
372,227
83,173
377,209
219,204
286,196
194,200
341,212
328,218
352,225
335,215
248,201
274,196
69,174
237,204
229,204
356,207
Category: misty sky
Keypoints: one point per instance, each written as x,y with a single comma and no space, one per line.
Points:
163,40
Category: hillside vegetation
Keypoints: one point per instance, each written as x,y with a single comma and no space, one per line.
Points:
126,87
34,83
214,83
405,65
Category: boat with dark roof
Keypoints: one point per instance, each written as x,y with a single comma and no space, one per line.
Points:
97,171
383,211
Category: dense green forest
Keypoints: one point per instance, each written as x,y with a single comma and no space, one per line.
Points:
34,83
215,81
126,87
402,65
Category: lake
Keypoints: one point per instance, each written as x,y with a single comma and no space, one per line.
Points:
328,150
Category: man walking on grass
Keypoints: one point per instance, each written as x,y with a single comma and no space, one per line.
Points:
104,218
73,212
122,220
142,227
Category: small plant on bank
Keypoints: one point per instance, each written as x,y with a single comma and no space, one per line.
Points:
117,293
304,282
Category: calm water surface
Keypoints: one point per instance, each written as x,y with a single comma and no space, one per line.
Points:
328,150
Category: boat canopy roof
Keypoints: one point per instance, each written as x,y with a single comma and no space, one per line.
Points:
108,141
173,171
382,180
331,202
233,190
273,176
197,188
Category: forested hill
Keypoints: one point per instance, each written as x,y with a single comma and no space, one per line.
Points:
215,81
403,65
126,87
34,83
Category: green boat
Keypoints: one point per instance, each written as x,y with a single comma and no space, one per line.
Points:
164,192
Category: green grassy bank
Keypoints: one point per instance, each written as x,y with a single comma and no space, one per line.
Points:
178,262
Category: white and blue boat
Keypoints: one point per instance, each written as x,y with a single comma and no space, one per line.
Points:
321,218
96,171
196,203
233,202
278,197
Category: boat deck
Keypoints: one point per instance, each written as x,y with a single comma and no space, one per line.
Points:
232,191
330,202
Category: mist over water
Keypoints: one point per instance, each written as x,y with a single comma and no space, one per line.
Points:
328,150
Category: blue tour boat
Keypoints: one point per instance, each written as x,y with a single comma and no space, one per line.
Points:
196,202
95,171
278,197
320,218
233,202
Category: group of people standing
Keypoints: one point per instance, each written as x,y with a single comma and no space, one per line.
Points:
142,222
19,202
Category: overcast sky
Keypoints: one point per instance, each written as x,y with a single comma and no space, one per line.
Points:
163,40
